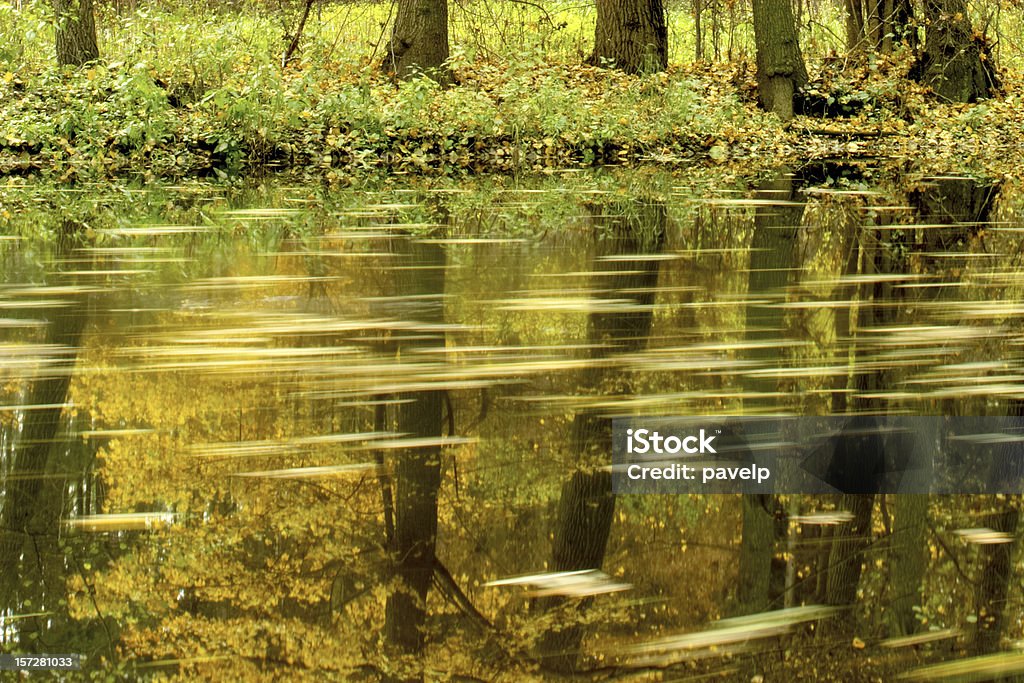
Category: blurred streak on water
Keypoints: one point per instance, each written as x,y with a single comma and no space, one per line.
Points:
363,434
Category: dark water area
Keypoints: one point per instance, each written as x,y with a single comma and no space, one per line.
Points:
287,433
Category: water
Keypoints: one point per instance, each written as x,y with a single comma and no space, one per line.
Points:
363,434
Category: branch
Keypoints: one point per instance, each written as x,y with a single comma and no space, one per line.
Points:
447,584
949,551
547,17
294,45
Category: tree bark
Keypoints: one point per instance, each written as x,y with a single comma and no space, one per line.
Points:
854,25
962,205
417,471
994,585
780,64
419,41
587,504
908,559
75,32
846,554
878,25
756,552
293,44
772,260
859,461
631,35
698,30
848,545
31,562
955,63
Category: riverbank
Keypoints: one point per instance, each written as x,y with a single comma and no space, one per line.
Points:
124,120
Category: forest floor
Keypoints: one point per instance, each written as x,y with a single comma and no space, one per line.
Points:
333,122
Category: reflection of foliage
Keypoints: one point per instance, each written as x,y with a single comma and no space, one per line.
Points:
288,578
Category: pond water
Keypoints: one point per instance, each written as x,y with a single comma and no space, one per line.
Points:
291,433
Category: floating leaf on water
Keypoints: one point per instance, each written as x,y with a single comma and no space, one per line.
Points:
424,442
970,669
993,438
736,630
920,638
315,472
984,536
129,521
824,518
102,433
582,583
18,617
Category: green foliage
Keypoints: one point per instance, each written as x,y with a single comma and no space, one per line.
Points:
21,32
185,90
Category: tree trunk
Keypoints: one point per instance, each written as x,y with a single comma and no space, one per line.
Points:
587,504
33,499
631,35
698,30
780,65
955,64
878,25
903,28
854,25
848,545
875,23
756,552
908,558
585,513
75,32
858,462
419,41
994,584
962,205
417,471
772,260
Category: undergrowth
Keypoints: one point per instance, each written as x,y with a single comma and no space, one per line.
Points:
210,95
200,91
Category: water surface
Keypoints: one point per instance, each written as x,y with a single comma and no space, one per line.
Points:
298,433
